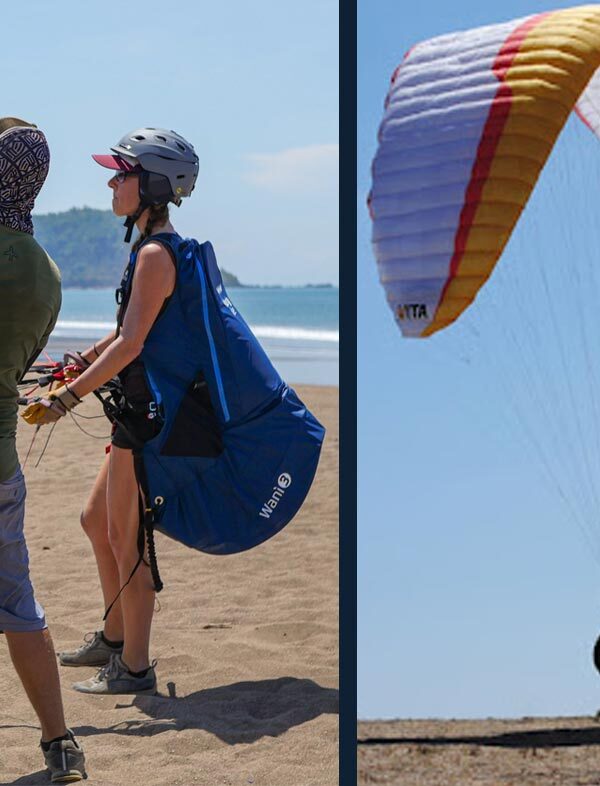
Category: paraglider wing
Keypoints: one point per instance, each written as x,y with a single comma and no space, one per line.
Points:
469,123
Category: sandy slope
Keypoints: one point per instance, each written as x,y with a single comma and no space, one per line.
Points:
246,645
525,752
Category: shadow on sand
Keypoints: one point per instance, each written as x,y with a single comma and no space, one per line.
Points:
242,712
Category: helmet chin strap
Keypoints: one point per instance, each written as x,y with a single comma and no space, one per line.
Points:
130,220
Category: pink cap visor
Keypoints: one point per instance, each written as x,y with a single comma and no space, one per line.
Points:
114,162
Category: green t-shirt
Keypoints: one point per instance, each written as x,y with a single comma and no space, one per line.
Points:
30,300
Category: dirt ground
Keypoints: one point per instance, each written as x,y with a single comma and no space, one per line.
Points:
523,752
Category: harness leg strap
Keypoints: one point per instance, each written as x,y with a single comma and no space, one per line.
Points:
146,520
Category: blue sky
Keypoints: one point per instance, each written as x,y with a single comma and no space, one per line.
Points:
254,86
479,593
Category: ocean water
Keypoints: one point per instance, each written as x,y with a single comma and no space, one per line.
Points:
298,327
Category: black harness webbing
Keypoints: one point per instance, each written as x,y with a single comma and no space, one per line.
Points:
146,512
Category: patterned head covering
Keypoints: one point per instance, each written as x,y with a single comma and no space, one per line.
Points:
24,163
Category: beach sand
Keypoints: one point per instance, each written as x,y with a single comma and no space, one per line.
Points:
247,645
490,752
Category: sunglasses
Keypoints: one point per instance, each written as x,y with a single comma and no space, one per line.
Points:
121,177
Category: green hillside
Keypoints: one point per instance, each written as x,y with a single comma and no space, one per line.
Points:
88,246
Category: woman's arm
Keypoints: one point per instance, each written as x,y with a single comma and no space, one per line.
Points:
153,281
93,353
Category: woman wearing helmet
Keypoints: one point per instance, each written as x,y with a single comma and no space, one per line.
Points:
151,168
209,443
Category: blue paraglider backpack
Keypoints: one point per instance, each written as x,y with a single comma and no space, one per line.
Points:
238,450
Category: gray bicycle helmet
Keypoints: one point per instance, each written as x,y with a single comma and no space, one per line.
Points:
167,164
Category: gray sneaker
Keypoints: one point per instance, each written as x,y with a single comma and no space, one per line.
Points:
116,678
93,652
65,760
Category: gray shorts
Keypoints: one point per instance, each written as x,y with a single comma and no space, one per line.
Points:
19,610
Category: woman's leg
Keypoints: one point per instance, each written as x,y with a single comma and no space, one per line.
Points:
94,520
137,599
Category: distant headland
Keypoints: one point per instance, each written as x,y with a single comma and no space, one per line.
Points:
87,245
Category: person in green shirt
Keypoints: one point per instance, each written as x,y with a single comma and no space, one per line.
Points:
30,299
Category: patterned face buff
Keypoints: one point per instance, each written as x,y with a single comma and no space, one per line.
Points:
24,162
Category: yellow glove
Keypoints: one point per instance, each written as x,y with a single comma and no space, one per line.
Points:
49,410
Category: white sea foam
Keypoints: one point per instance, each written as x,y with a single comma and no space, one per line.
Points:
66,328
72,326
295,333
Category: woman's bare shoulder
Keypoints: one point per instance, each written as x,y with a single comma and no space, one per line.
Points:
154,250
155,268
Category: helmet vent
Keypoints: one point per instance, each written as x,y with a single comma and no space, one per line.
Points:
180,146
162,138
179,177
139,137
